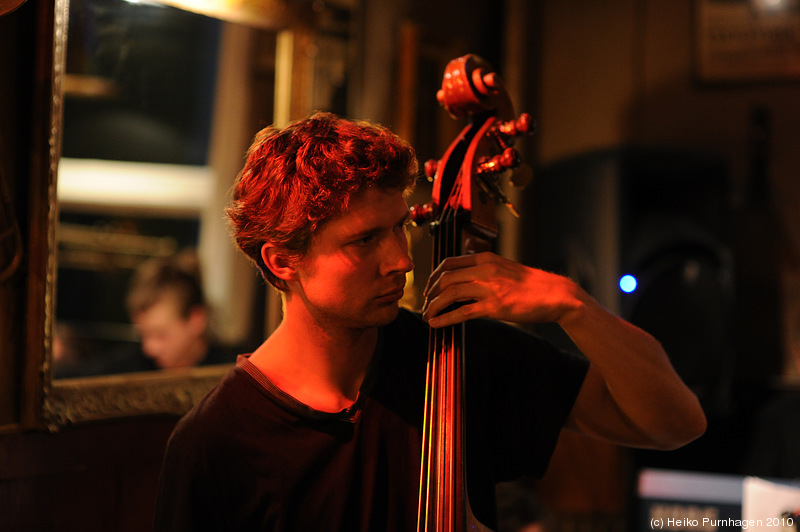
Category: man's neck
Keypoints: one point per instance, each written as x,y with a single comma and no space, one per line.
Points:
322,367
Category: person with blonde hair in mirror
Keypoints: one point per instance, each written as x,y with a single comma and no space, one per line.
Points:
171,316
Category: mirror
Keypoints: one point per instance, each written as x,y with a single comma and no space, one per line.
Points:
134,181
159,106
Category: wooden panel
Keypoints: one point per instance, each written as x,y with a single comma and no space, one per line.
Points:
94,477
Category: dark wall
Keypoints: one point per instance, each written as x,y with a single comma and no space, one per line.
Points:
17,65
97,477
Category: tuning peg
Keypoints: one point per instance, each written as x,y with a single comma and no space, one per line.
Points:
524,125
421,214
506,160
431,165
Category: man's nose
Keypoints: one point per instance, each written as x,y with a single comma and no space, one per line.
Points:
397,257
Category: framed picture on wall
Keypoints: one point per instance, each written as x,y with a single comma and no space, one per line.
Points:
747,40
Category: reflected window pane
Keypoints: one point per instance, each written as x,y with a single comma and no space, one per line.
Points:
140,80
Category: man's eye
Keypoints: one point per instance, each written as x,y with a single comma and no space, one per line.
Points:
363,241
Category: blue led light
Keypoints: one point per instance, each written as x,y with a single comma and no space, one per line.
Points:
627,283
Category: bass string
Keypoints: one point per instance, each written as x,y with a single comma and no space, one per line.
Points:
438,494
446,369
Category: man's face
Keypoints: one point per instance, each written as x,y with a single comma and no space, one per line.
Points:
171,340
355,270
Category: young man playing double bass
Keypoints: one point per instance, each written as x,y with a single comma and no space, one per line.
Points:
319,428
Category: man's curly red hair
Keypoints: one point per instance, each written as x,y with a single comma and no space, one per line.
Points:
297,178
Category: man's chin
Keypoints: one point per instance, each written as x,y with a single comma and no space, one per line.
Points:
384,316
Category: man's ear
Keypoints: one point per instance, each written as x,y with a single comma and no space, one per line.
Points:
278,262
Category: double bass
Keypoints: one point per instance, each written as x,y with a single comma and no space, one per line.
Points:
462,216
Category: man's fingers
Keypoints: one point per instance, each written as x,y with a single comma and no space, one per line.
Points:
460,314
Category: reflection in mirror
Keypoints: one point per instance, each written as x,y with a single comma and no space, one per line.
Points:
134,183
160,106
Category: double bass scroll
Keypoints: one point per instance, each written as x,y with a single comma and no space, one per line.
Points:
462,214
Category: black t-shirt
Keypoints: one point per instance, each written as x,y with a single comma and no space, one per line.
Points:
250,457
